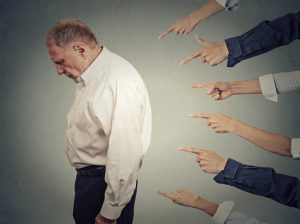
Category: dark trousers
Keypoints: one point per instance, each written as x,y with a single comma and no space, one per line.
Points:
89,196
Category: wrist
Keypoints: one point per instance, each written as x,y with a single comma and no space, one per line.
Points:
225,50
195,18
206,206
234,88
222,165
235,126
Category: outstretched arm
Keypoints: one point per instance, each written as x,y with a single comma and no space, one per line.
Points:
186,24
221,213
186,198
262,181
223,90
269,141
266,36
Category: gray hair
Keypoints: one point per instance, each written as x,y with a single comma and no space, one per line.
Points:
66,31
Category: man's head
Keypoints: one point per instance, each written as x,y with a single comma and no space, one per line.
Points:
72,47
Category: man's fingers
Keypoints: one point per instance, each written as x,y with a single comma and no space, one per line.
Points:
206,116
165,32
189,58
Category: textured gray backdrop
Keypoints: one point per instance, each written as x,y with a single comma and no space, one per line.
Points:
36,180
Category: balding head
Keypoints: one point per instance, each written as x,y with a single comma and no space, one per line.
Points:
67,31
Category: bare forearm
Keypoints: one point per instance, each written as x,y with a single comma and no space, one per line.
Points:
245,87
206,206
269,141
209,8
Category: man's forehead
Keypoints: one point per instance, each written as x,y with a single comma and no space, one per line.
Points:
55,52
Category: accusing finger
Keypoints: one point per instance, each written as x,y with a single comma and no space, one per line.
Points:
165,32
205,116
200,40
165,194
189,58
190,149
201,86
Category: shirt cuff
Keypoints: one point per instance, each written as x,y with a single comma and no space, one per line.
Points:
110,211
235,51
268,87
223,211
230,5
295,148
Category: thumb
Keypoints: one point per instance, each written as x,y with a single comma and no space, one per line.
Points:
200,40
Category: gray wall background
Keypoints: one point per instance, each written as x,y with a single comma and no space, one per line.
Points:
37,181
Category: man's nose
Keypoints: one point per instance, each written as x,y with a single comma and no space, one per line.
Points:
59,70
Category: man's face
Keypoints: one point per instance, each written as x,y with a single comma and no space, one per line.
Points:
67,60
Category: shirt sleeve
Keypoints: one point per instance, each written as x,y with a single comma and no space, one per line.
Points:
223,212
240,218
295,148
226,215
229,5
266,36
125,150
272,84
268,87
287,81
262,181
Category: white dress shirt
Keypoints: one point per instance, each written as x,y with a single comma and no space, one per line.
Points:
109,124
272,84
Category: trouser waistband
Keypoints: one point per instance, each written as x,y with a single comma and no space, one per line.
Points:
91,171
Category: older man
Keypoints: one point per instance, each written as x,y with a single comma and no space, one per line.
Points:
108,125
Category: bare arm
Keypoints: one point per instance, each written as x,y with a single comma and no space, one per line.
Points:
223,90
186,198
186,24
269,141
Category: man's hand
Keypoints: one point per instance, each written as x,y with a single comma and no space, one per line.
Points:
220,123
181,197
209,161
185,25
217,90
211,52
102,220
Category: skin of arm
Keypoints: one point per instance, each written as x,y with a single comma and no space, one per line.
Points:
269,141
223,90
186,24
186,198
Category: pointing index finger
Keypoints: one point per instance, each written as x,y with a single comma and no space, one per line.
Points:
202,86
200,116
189,58
164,194
165,32
200,40
190,149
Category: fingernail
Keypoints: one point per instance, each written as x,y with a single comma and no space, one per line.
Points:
191,115
180,148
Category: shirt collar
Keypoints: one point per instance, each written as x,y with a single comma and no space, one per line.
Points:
99,62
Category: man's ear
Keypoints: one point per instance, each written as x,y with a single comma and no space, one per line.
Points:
80,48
